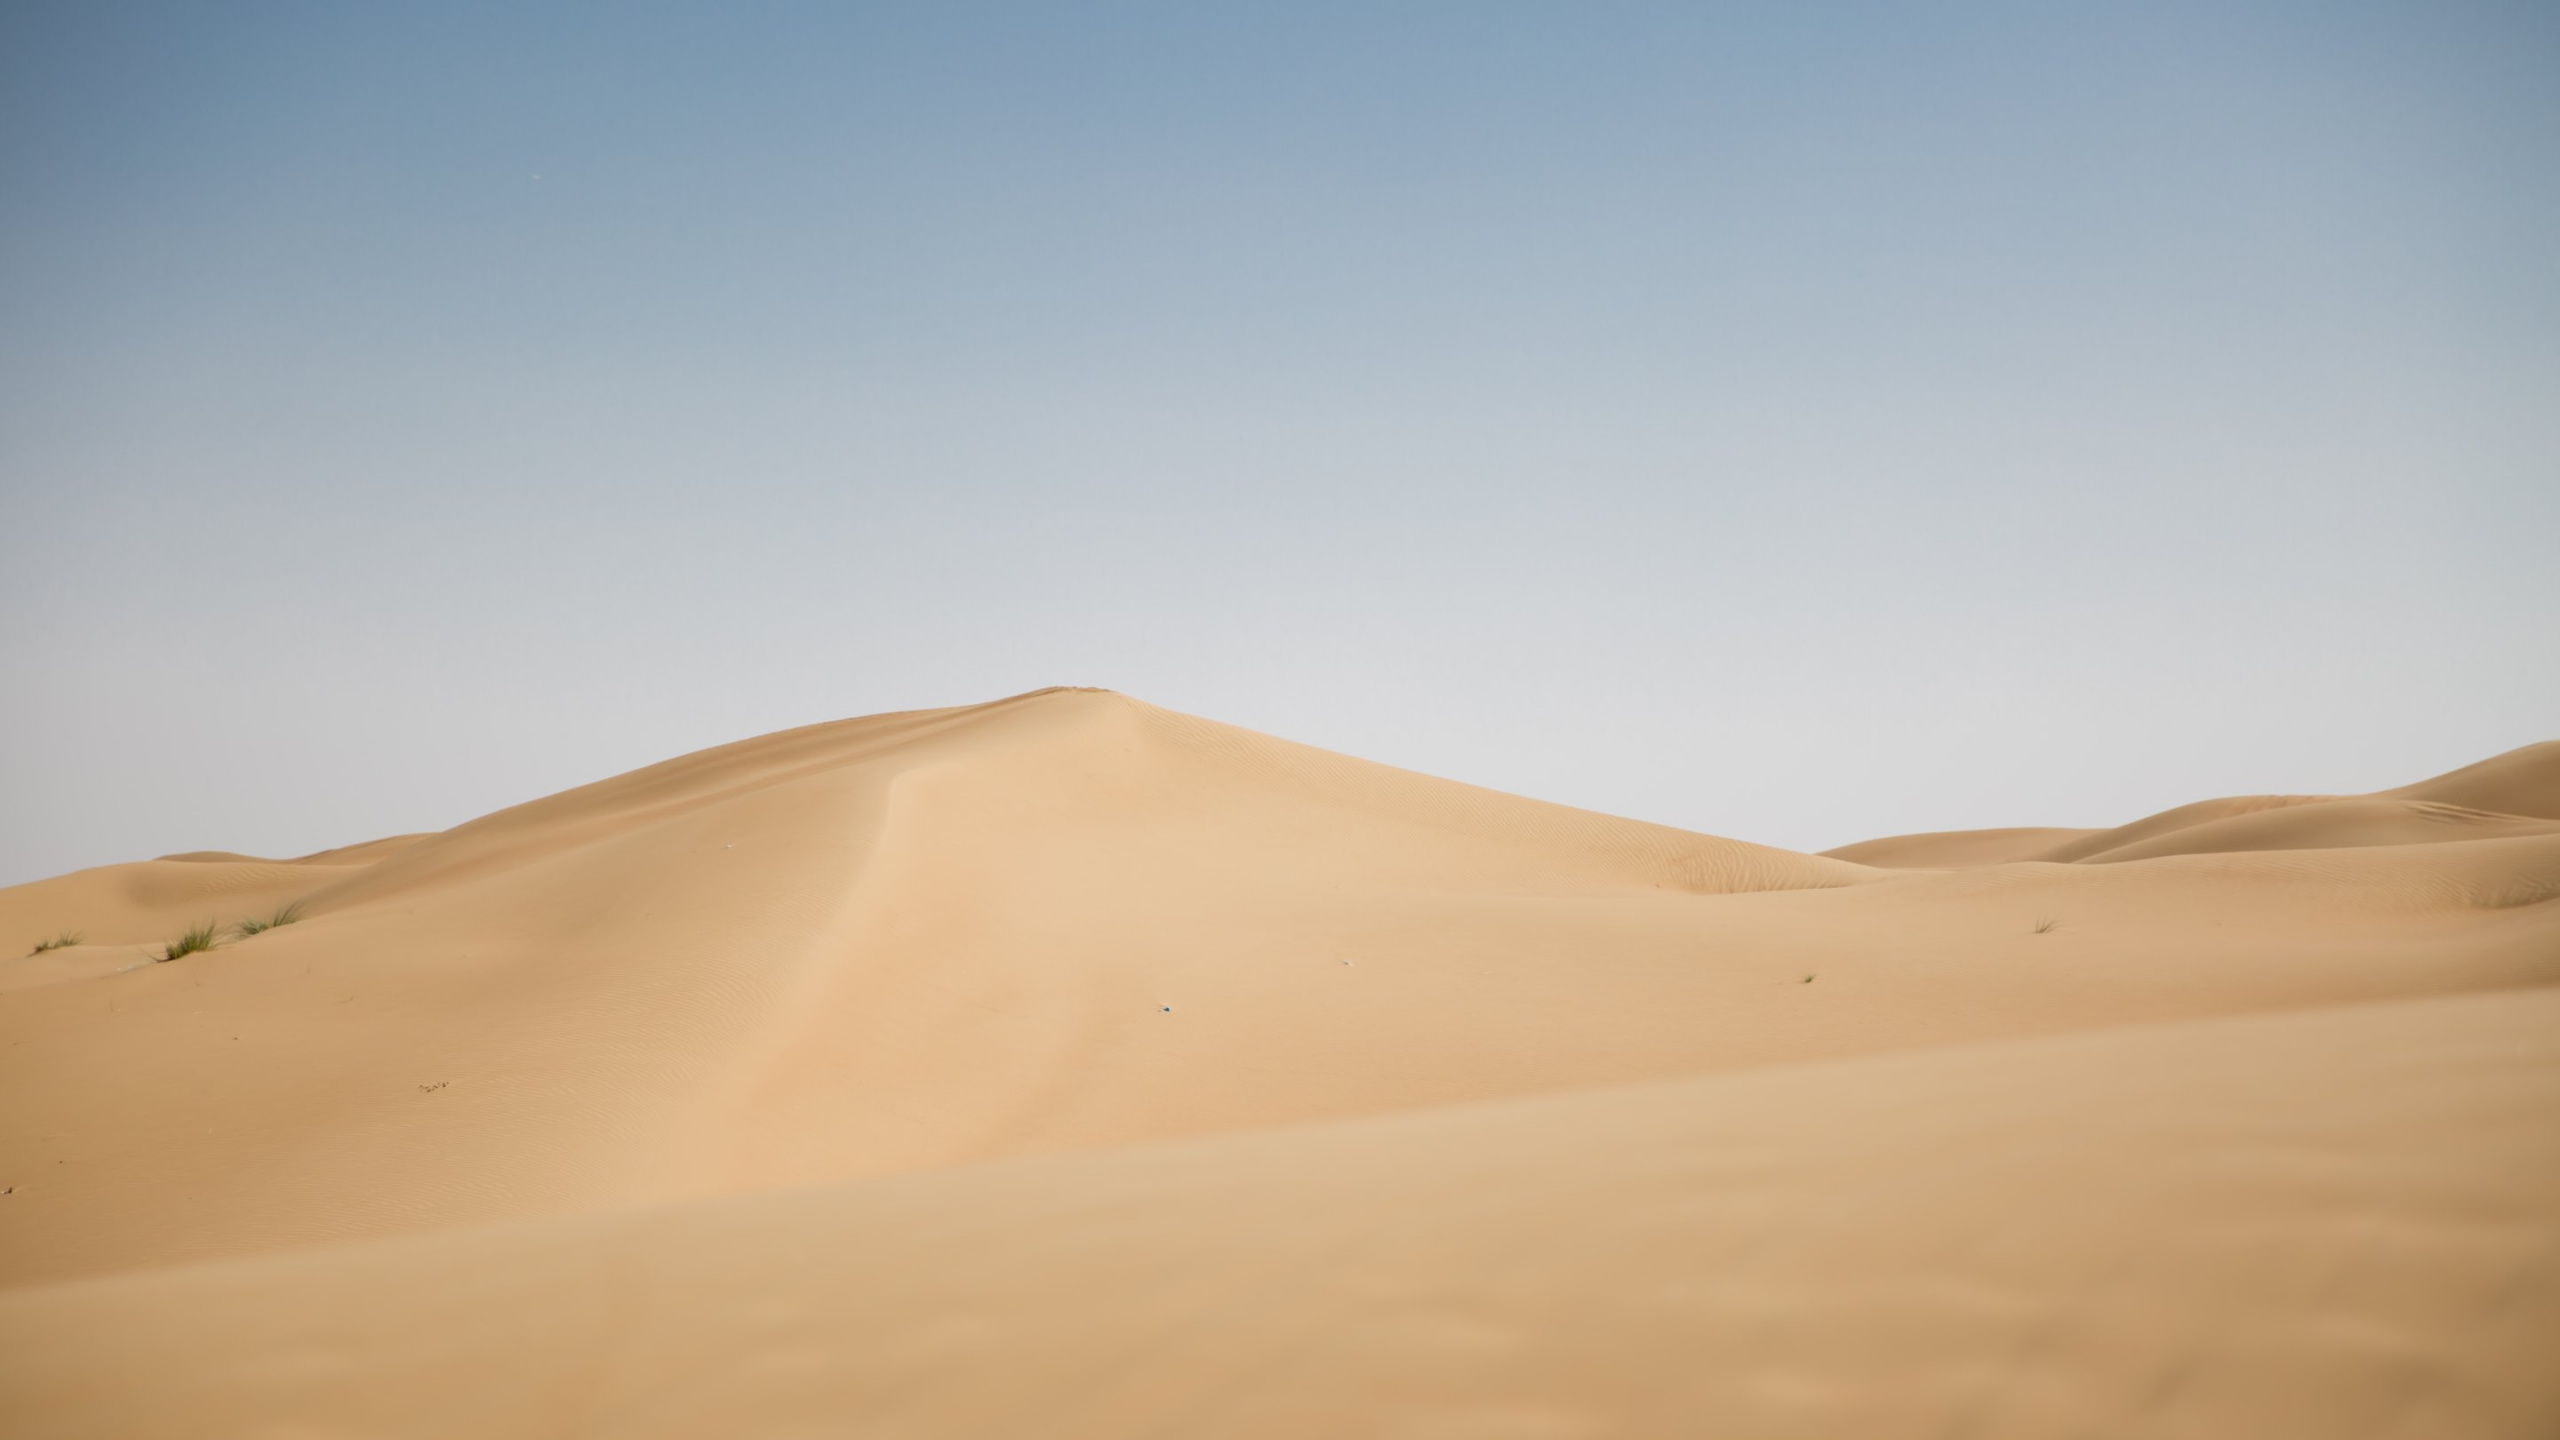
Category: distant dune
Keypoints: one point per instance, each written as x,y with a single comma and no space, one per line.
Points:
1068,1066
2514,794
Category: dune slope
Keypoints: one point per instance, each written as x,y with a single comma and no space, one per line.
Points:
2332,1223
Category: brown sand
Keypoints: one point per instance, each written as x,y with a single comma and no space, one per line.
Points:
1066,1066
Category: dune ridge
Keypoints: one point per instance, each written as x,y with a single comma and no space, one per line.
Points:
840,978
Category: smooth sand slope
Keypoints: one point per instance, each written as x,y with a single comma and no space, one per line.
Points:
2333,1223
1069,1066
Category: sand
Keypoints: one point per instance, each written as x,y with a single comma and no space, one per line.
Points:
1068,1066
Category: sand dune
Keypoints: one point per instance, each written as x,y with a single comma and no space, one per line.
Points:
1957,849
1213,1084
2524,781
2517,793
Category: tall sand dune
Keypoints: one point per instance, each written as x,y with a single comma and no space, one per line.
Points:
1196,1082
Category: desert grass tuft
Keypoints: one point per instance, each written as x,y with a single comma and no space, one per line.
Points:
62,941
198,937
2045,926
283,916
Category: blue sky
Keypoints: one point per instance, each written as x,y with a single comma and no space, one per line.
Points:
1799,423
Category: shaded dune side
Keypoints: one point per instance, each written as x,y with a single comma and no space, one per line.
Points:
1605,849
2082,1235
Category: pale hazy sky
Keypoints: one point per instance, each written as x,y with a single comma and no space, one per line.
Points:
1801,423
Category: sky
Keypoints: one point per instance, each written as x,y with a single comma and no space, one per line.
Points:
1793,422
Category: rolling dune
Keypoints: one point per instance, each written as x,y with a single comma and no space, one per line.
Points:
1202,1083
2517,793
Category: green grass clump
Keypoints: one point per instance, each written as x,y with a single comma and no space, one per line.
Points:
198,937
285,916
65,939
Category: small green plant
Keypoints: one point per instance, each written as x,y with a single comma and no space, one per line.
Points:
284,916
198,937
62,941
2045,926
